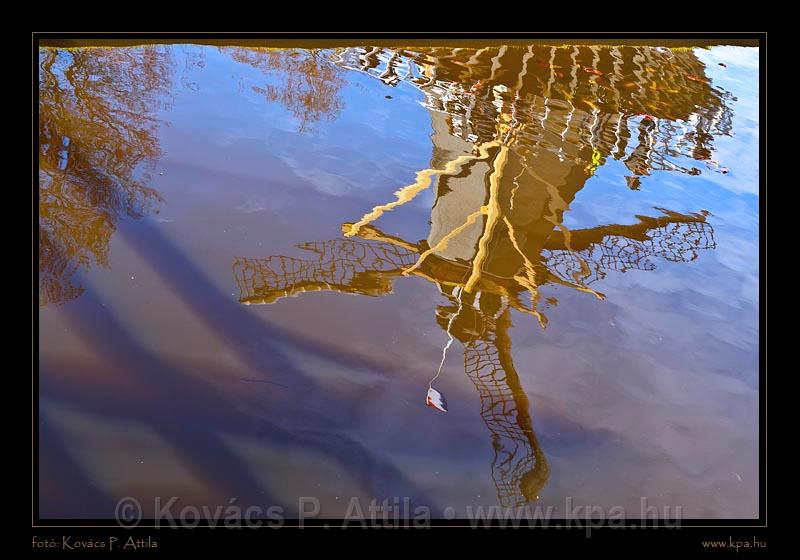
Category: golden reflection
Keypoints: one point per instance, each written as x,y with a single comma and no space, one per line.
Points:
97,127
517,132
480,320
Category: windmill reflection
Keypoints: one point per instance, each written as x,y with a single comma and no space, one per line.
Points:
517,134
479,320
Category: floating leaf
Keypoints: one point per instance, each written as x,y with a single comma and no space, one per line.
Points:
436,400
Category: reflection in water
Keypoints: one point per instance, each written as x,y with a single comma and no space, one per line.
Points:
479,320
517,133
309,83
96,128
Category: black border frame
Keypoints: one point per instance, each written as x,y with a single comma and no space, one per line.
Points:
697,527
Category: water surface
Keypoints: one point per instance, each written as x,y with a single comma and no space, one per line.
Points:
265,274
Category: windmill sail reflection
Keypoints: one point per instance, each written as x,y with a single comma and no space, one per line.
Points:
368,266
517,134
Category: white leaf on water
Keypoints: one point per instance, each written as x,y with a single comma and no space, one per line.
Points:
436,400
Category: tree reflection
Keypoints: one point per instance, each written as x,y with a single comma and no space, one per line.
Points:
308,83
97,144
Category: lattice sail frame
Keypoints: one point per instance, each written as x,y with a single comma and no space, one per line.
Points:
503,406
345,265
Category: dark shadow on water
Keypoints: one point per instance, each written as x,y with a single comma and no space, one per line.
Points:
187,412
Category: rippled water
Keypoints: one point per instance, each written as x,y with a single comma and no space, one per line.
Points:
499,276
